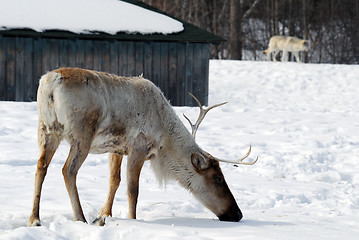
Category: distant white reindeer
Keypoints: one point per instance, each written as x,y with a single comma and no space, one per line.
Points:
285,44
98,112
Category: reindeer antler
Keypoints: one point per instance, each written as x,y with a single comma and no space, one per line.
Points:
240,160
202,114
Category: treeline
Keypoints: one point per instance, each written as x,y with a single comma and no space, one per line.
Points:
331,26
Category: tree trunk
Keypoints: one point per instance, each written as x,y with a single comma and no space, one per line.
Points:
290,21
276,18
305,29
235,41
290,25
214,26
355,31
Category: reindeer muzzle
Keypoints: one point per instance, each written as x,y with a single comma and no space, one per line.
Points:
233,215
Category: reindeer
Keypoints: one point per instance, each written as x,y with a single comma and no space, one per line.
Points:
97,112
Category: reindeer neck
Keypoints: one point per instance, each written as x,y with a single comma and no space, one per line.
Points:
175,148
176,131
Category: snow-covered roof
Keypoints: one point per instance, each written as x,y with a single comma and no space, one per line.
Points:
84,16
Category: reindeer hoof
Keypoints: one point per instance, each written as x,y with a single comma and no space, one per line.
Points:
33,222
99,221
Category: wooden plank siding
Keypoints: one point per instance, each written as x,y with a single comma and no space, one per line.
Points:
10,68
175,67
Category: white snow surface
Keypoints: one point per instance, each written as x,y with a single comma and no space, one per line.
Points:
301,120
84,16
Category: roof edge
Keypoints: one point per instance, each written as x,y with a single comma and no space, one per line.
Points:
190,33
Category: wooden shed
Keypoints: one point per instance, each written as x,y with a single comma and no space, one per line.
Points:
177,63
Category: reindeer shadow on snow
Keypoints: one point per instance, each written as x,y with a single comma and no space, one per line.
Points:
204,223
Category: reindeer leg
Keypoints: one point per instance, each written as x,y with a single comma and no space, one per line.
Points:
135,161
133,176
48,144
115,161
81,139
78,153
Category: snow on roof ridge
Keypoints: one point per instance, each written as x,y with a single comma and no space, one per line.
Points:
84,16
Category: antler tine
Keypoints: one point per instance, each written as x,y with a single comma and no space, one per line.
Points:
240,160
192,125
202,114
198,102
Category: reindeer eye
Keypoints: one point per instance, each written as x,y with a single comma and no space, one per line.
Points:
218,179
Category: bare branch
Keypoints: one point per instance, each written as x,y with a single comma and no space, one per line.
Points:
251,9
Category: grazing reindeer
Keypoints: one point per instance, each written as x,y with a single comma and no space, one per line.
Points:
98,112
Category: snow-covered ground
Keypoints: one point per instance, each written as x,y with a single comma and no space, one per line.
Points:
301,120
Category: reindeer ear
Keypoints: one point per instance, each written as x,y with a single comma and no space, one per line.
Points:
198,161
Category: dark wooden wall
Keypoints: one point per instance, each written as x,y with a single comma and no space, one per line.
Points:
176,68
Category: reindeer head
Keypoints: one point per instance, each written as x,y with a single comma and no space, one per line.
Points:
210,187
